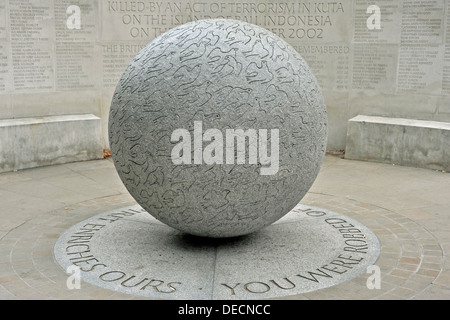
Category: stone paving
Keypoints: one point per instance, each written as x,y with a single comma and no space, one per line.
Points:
408,209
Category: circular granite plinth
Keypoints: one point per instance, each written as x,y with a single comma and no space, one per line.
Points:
128,251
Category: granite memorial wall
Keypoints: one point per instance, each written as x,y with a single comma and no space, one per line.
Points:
65,57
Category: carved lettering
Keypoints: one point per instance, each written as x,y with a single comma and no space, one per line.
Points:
125,282
256,287
313,276
111,276
78,250
155,284
231,288
292,285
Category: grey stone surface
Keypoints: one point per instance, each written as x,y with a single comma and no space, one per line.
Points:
42,141
227,75
128,251
399,141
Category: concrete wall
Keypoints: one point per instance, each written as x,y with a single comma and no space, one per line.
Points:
50,67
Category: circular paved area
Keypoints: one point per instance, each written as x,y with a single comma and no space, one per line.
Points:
406,208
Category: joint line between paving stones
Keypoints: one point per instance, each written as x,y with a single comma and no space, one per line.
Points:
14,228
420,245
214,271
398,240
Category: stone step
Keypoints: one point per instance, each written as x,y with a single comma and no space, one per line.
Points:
34,142
408,142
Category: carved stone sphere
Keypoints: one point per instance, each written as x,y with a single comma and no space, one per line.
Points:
218,128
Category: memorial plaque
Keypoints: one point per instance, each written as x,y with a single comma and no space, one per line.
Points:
132,20
5,67
66,12
299,21
3,22
128,251
374,67
77,54
446,63
421,53
330,64
77,66
390,21
142,21
32,32
5,59
420,69
319,21
422,22
116,56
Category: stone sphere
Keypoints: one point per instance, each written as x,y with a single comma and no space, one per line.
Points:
218,128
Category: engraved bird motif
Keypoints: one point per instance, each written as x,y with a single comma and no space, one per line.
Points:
211,38
218,54
215,199
151,199
183,176
158,71
190,35
277,50
154,102
195,94
195,215
257,50
230,96
237,37
185,75
174,198
155,177
258,73
231,26
230,67
194,51
201,115
154,75
250,30
161,54
275,99
286,75
129,84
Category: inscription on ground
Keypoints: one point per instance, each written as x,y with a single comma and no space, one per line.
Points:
129,251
